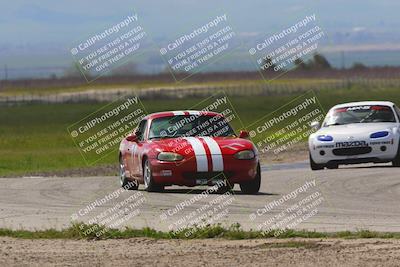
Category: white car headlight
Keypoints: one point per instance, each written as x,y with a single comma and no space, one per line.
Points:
325,138
245,154
169,156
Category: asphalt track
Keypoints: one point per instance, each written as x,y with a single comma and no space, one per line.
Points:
351,198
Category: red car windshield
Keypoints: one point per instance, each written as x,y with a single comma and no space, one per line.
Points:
360,114
190,125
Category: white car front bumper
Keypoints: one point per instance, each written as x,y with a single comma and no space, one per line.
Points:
350,152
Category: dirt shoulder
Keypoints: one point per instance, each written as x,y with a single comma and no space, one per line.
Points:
295,154
208,252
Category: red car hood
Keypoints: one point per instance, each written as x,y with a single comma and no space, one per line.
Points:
204,145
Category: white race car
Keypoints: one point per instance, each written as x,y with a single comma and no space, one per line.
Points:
358,132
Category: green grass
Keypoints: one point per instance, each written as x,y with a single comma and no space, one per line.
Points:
234,232
34,138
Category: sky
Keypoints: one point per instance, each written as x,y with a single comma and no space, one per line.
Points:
66,21
34,31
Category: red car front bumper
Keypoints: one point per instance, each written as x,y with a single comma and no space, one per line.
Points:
185,172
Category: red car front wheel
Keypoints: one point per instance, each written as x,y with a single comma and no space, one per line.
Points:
149,184
253,186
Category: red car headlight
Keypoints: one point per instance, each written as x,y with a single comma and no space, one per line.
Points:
169,156
245,154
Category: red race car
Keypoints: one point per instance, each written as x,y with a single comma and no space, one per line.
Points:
188,148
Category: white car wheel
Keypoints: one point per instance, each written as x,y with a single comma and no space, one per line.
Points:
396,161
315,166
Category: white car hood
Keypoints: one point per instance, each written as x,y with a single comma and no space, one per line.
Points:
357,129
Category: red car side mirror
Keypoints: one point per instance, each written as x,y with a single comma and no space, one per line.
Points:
244,134
132,138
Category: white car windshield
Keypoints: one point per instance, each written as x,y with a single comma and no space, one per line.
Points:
360,114
191,125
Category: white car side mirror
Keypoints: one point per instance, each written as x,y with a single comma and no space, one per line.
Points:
315,125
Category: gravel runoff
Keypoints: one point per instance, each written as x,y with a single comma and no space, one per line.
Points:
210,252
